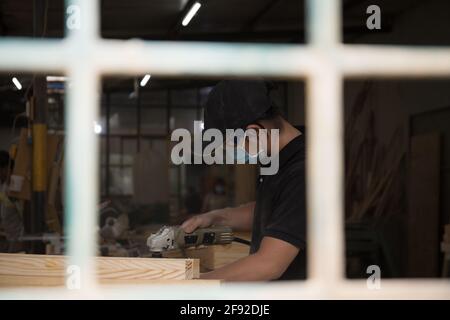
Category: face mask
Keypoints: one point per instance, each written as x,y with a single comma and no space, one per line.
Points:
239,154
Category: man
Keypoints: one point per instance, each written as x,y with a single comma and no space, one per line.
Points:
277,218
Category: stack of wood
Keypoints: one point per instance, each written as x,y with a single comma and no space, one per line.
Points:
445,248
216,256
374,170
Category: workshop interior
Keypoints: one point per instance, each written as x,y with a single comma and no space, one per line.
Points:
396,138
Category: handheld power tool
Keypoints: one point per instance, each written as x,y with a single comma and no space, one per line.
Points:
174,237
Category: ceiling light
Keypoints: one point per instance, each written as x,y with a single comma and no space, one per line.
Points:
188,17
145,80
56,78
17,83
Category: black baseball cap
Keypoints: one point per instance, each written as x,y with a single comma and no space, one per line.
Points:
234,104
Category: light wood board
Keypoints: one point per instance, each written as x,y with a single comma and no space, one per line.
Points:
27,269
212,257
24,281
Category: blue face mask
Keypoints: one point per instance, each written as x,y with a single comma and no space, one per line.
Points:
237,152
240,154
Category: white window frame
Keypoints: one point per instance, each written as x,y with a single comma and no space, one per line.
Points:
323,63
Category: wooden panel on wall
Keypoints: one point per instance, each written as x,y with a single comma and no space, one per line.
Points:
423,206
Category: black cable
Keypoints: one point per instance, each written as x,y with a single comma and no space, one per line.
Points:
240,240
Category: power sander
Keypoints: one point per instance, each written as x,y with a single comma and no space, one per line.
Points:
174,237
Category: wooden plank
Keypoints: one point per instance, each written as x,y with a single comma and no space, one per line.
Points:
205,255
26,281
212,257
243,235
38,268
161,282
195,268
423,206
217,256
31,281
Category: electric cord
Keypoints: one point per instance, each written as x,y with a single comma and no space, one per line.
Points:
243,241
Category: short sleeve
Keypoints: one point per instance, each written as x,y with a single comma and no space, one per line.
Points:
287,220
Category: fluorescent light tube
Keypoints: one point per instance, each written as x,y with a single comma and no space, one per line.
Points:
145,80
17,83
195,7
56,78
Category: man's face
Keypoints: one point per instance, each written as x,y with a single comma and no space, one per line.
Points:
253,136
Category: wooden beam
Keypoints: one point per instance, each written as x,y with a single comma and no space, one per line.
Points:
214,256
217,256
24,281
28,269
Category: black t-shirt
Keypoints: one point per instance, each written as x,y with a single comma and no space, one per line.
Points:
280,210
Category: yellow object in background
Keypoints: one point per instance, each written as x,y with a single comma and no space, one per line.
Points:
13,151
39,162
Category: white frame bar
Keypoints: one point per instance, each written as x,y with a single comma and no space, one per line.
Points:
129,57
324,62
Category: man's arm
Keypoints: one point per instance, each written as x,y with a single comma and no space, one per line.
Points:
268,263
239,218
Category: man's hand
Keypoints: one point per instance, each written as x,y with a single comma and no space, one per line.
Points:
200,221
239,219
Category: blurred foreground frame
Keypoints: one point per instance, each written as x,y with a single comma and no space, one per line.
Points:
323,62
